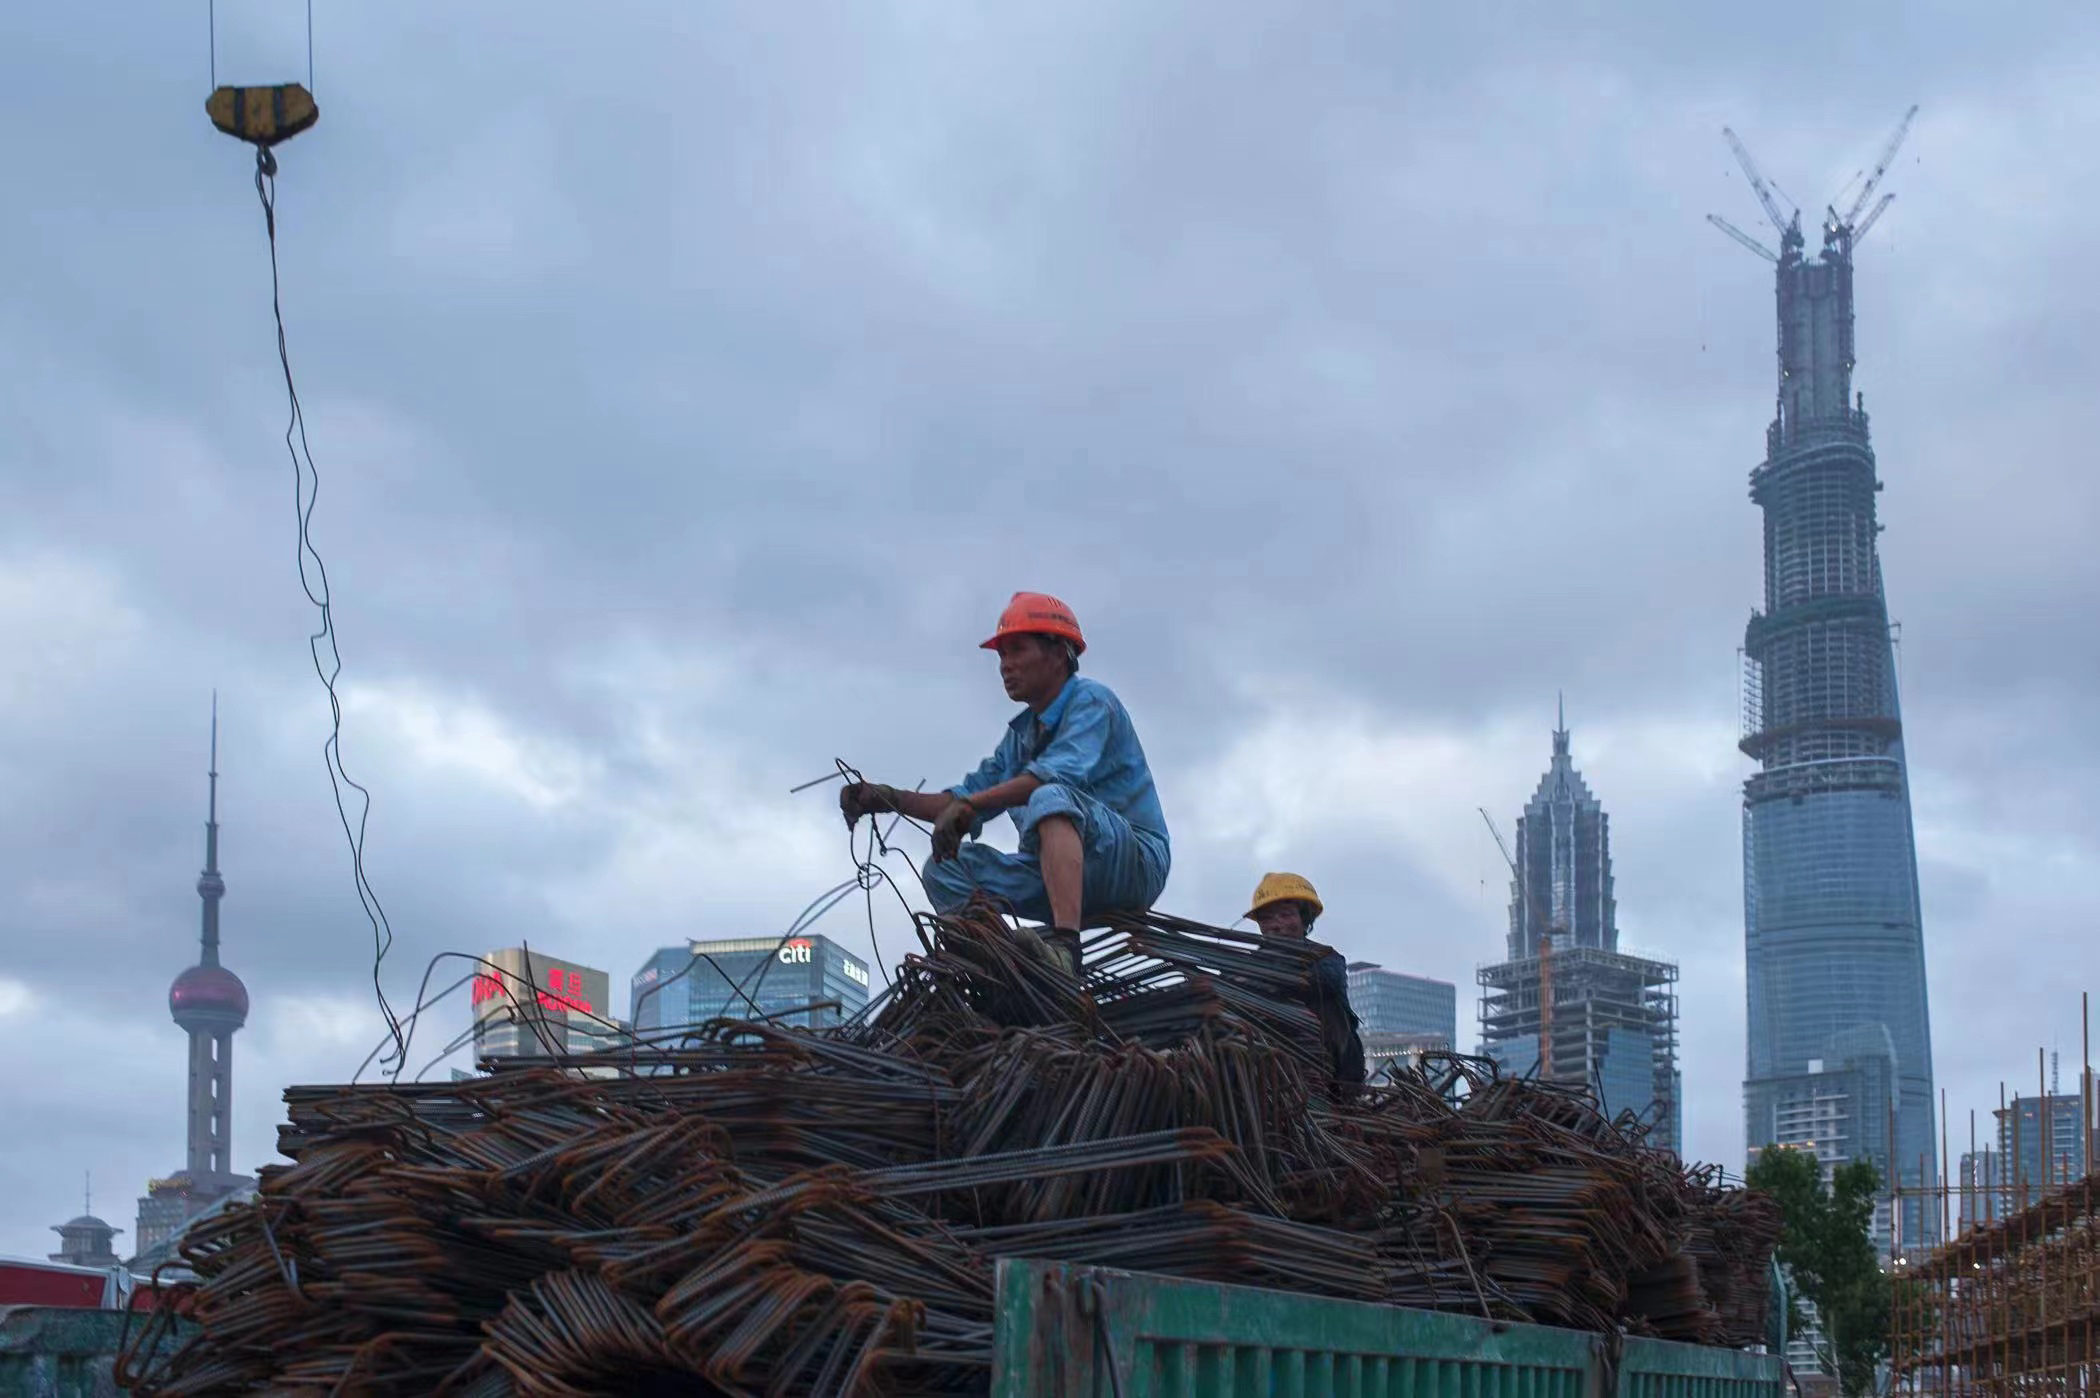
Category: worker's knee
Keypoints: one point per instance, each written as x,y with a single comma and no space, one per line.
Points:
1060,823
1051,802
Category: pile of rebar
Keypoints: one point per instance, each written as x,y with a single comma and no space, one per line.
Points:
757,1210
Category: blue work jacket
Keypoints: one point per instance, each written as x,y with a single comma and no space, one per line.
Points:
1083,741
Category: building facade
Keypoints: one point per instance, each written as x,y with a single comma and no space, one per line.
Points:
1388,1053
1833,933
209,1003
1983,1194
1840,1108
527,1004
792,981
2041,1144
1567,1003
1563,881
1393,1002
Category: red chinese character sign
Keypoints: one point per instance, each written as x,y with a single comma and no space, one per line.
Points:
512,979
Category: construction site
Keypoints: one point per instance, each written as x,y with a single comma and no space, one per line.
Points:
2011,1303
1001,1179
1122,1154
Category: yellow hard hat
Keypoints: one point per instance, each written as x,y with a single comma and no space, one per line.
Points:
1284,888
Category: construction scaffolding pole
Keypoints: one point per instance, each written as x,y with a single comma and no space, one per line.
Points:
2009,1306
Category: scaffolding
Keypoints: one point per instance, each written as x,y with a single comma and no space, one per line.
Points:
2011,1304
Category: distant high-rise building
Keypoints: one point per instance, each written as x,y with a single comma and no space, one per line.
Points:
1833,933
1394,1002
749,978
2040,1144
1983,1193
210,1004
527,1004
1839,1108
1613,1015
1563,864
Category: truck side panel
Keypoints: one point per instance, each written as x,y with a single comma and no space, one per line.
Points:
1089,1332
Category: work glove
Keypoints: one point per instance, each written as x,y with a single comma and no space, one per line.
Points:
957,819
865,798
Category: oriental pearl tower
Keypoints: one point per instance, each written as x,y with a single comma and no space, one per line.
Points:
210,1003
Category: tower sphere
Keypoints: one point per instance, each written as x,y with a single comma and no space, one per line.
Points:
208,998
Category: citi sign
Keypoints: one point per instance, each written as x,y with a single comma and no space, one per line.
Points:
795,953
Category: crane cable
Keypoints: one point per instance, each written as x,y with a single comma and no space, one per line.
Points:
263,117
321,644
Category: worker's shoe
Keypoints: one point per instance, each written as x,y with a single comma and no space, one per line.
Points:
1063,945
1056,947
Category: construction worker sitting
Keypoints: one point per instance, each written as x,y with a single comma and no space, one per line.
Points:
1072,775
1286,906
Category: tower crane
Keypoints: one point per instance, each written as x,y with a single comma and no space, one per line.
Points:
1868,222
1744,238
1547,929
1881,169
1787,225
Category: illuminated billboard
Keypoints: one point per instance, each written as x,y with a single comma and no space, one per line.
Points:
529,1004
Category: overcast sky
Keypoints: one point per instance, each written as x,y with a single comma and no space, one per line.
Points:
691,385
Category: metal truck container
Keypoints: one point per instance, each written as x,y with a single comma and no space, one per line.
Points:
1090,1332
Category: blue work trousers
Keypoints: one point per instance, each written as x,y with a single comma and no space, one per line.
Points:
1123,870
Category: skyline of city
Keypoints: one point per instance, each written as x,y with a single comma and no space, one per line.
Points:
1562,797
580,684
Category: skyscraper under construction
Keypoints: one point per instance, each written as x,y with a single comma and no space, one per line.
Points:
1569,1004
1839,1053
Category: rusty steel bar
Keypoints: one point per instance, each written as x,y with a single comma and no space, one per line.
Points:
764,1209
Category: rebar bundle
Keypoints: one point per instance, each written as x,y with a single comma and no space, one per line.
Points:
785,1212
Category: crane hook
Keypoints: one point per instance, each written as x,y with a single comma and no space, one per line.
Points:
263,116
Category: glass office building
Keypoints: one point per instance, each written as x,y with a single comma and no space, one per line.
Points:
808,981
1393,1002
1834,939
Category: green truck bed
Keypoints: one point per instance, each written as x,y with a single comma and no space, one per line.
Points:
1089,1332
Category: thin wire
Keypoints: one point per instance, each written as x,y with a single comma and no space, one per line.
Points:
211,21
309,47
868,872
802,920
303,501
493,972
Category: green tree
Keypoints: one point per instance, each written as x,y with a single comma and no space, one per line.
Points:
1827,1244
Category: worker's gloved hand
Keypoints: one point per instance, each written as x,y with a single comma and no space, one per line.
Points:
956,820
865,798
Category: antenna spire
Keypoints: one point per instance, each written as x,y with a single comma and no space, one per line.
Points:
211,887
212,818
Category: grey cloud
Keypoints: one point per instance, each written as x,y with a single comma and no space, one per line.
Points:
1390,355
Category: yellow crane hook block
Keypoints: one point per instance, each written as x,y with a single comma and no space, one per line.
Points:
263,116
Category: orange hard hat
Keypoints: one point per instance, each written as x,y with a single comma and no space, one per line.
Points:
1037,614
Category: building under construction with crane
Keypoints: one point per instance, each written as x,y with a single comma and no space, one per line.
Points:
1568,1004
1839,1052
